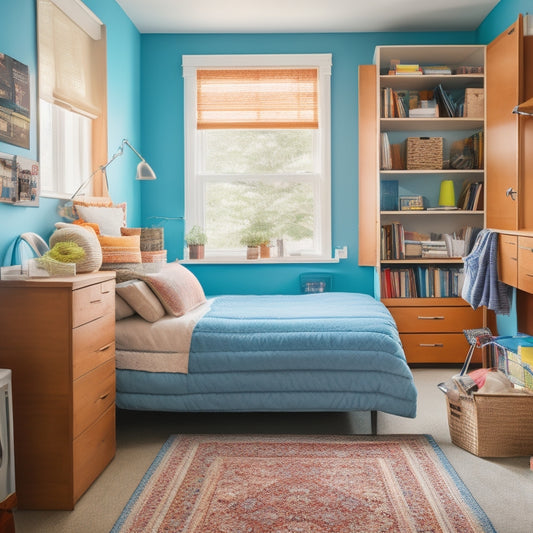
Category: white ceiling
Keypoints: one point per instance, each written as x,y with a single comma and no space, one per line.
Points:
296,16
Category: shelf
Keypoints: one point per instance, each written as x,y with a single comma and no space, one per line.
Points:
422,260
430,81
418,302
450,55
425,212
452,171
431,124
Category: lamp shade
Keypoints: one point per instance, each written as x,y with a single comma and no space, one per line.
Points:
447,194
145,172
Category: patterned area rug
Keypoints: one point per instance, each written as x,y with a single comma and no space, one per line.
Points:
301,484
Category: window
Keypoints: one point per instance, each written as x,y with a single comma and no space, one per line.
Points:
72,95
257,168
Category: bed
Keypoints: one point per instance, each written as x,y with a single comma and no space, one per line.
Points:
329,351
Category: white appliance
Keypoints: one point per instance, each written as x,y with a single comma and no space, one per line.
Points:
7,456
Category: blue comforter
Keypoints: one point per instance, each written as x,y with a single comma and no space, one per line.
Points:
313,352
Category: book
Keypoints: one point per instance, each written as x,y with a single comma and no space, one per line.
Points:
386,159
389,195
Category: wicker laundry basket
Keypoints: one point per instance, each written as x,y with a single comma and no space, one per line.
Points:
491,425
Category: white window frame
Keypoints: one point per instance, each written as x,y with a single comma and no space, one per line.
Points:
194,197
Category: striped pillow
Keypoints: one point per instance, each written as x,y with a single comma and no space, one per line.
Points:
120,249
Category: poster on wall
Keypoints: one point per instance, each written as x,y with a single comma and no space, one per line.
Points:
14,102
19,180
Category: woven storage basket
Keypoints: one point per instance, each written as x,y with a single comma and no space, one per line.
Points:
424,153
490,425
152,239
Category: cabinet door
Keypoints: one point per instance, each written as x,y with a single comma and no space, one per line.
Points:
504,91
368,166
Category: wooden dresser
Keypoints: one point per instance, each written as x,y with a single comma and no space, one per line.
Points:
58,338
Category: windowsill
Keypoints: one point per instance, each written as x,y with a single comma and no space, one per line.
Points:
270,261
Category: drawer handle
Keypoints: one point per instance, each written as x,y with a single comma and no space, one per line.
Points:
526,248
513,258
430,317
529,275
435,345
95,301
106,347
104,396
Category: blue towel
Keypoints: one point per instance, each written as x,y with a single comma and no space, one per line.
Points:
481,284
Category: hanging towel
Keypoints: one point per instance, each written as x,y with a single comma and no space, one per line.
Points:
481,284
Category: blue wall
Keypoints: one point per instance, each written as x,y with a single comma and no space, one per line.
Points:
163,141
18,40
501,17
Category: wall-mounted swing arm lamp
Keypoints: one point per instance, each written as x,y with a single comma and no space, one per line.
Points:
525,108
144,170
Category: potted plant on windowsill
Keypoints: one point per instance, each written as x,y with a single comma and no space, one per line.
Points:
196,239
256,237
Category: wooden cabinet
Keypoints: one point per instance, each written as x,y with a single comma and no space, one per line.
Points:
508,259
431,329
58,338
510,162
423,279
509,136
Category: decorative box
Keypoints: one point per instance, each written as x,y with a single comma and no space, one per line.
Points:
411,203
424,153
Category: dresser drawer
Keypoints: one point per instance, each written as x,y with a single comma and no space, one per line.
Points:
525,264
508,259
93,344
93,394
436,319
93,451
436,348
93,301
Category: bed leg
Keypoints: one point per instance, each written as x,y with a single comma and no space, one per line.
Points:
374,422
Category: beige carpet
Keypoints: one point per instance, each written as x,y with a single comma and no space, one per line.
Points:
502,487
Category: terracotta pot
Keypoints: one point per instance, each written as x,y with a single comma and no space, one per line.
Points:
264,251
252,252
196,251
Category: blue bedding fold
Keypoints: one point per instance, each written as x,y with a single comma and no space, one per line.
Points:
327,351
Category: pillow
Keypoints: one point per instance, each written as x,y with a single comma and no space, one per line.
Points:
109,219
122,308
177,288
84,237
142,300
92,200
120,249
81,222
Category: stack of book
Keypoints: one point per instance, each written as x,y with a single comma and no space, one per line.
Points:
434,249
406,69
392,241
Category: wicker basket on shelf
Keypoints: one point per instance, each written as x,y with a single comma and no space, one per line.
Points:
424,153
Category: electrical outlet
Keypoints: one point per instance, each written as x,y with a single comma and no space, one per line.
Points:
341,253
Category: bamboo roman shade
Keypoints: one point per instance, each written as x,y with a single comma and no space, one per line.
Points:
72,57
257,98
